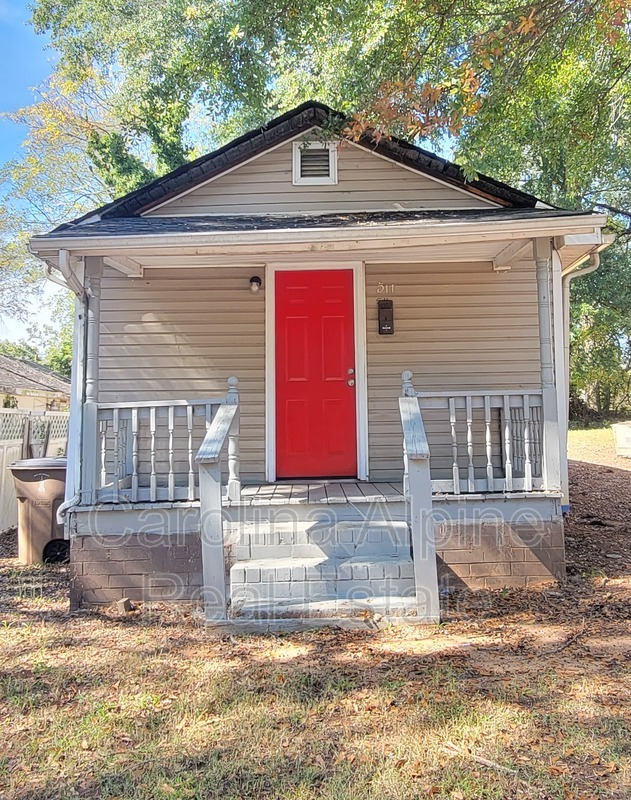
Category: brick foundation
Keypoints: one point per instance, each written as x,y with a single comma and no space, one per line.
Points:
496,555
145,568
155,567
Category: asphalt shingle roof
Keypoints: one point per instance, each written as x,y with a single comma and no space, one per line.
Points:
18,374
139,226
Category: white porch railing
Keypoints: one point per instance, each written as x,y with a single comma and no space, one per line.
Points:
147,450
483,441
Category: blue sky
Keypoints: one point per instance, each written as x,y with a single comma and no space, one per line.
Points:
24,63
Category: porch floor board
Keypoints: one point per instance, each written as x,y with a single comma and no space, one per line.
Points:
322,492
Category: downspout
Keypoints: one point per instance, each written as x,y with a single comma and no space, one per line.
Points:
571,272
71,279
72,282
65,507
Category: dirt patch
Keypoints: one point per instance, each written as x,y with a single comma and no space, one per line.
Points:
517,694
598,529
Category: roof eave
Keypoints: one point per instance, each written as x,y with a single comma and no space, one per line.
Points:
374,234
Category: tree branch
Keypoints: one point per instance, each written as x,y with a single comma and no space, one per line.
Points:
614,210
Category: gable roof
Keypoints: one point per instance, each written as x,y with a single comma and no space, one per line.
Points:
19,375
283,128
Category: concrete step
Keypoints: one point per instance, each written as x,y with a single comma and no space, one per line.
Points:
393,606
277,580
305,539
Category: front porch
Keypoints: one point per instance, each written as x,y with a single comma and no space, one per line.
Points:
167,518
457,471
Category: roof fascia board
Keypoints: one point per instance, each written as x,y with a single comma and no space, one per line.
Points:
506,229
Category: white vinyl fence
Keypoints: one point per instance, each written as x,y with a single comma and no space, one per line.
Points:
25,434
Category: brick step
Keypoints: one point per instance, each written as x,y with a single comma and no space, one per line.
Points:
321,578
304,539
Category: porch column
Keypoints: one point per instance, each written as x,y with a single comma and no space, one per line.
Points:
551,467
561,375
94,272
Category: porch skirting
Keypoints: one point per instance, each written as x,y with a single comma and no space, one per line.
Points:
155,555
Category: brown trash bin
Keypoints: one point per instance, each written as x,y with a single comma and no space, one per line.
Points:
40,485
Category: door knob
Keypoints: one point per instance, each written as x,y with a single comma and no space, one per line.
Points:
351,382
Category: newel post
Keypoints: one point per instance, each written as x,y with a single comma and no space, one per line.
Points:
551,442
211,529
407,388
407,385
90,434
423,539
234,458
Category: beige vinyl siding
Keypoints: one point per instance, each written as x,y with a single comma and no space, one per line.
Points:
179,334
457,326
365,182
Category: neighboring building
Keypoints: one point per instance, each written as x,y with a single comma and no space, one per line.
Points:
28,386
399,337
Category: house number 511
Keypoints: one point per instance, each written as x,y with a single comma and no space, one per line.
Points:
385,288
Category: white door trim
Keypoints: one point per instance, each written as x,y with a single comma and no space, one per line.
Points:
361,369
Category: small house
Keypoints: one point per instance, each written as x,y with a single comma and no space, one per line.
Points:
28,386
316,377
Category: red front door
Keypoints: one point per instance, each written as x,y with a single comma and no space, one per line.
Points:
316,433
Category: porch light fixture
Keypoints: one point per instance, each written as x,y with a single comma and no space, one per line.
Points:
255,284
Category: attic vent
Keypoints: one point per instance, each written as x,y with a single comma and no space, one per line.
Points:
314,163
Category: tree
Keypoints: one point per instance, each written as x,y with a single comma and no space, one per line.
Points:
53,180
49,344
22,350
54,341
20,275
600,363
426,68
601,358
536,93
